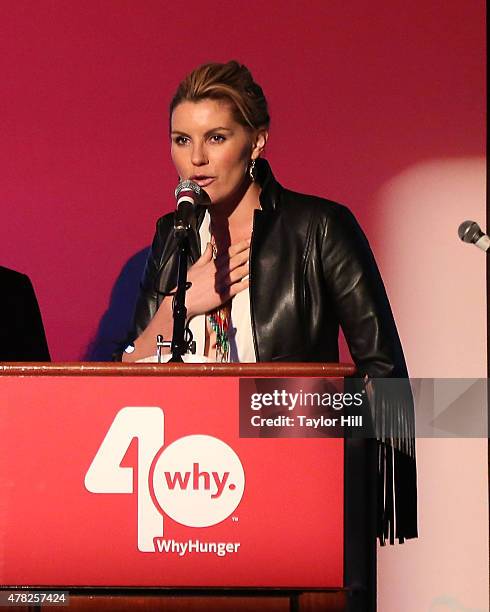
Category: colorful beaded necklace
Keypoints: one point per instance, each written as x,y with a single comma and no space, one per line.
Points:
219,320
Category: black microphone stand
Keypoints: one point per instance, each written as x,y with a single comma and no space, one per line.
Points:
187,194
179,344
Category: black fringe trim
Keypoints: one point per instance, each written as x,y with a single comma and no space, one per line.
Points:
393,416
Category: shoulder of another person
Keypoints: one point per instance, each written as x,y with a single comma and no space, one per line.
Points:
11,278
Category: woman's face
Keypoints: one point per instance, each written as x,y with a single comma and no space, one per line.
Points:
210,148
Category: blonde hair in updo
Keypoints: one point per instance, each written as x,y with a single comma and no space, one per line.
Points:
231,81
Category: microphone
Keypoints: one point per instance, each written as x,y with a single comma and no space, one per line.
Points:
188,195
469,231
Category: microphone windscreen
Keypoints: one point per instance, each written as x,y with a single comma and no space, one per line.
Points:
469,231
200,196
187,185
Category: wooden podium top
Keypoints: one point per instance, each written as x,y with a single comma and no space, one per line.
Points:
282,369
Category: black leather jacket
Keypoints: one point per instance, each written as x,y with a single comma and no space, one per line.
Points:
311,270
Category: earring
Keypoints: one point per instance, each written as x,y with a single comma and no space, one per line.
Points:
251,170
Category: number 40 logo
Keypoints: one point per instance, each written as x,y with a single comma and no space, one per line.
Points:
197,480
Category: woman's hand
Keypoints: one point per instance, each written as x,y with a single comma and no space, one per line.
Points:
215,281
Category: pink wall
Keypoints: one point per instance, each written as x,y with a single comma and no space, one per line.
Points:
357,93
437,288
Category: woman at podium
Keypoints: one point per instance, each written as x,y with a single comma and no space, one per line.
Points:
273,273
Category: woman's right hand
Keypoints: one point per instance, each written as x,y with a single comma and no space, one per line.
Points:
215,281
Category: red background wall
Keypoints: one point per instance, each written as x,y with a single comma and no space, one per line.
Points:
358,91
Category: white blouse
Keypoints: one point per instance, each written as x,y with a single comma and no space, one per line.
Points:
240,330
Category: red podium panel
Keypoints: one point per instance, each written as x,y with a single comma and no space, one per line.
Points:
116,481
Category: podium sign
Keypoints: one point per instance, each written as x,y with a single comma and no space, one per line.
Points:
118,481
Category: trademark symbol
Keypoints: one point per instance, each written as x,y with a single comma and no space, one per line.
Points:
234,519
